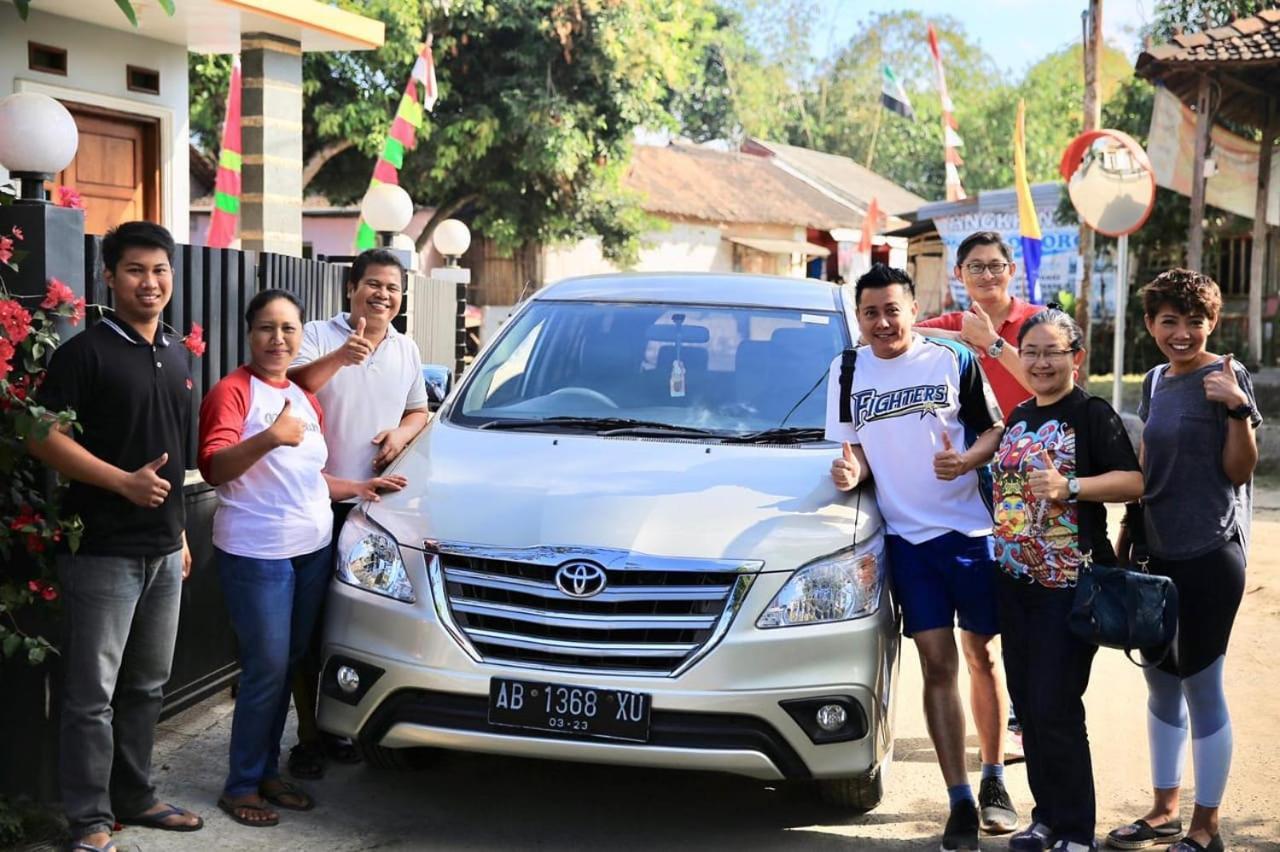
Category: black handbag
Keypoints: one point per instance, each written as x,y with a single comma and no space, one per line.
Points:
1116,607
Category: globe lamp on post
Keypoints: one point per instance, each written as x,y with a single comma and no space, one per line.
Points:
452,239
38,139
388,209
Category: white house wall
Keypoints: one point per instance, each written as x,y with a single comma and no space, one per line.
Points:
684,247
96,60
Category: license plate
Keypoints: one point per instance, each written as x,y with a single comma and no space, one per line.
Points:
579,710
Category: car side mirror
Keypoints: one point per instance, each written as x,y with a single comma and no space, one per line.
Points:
439,379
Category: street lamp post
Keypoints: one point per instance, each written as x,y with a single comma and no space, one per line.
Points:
452,239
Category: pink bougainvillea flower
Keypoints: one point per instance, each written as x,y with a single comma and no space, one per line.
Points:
15,322
57,293
77,311
6,249
67,197
194,341
17,233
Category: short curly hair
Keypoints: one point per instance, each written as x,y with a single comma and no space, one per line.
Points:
1187,292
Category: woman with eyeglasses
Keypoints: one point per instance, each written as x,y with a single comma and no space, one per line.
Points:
1063,455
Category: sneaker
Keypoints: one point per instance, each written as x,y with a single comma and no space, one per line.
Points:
1034,838
998,815
962,828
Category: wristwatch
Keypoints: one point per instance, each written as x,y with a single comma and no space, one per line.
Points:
1243,411
997,346
1073,488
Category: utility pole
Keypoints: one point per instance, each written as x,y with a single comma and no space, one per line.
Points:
1092,20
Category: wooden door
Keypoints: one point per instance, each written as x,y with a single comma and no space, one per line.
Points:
116,169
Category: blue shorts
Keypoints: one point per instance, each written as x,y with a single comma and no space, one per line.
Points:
942,578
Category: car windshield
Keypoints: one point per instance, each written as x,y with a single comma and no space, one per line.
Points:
725,371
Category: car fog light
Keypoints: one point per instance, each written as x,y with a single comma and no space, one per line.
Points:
349,681
831,717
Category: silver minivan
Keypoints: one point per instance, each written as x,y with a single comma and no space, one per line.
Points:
620,543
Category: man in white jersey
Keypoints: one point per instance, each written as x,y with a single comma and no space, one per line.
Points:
368,378
916,413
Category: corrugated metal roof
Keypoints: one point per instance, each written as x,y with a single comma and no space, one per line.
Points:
845,177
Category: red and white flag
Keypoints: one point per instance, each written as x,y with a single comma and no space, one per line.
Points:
951,140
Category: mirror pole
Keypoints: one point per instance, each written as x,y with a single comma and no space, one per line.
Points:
1122,306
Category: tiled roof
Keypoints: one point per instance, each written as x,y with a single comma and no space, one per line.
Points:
727,186
1243,58
845,177
1252,39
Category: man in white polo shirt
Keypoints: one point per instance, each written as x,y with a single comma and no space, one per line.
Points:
368,378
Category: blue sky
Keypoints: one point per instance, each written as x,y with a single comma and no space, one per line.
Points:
1016,33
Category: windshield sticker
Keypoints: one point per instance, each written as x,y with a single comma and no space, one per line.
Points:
816,319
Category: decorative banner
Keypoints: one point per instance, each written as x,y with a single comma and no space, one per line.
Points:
1029,235
1171,145
403,134
951,140
226,190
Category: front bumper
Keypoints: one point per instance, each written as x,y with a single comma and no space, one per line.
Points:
726,713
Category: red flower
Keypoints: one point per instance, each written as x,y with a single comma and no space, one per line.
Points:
57,294
194,341
26,517
35,544
67,197
14,321
6,354
44,589
77,311
6,249
17,233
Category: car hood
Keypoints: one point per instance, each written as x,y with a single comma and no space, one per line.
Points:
660,497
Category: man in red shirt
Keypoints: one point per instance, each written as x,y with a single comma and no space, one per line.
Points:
994,318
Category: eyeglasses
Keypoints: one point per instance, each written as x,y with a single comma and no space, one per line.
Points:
995,267
1033,355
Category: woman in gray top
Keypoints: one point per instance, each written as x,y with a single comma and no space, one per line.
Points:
1198,439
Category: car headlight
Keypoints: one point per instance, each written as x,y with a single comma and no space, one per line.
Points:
839,587
369,559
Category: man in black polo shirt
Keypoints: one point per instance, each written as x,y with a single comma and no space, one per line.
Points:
130,386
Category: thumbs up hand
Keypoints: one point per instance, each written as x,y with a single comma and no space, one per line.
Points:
287,430
846,470
356,348
948,464
1223,386
1047,483
976,327
145,487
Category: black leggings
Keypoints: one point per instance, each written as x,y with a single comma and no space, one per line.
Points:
1210,588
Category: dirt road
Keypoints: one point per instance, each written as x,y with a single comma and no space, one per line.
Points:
478,802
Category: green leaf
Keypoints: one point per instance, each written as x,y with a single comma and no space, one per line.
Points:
24,8
11,644
127,8
35,655
167,5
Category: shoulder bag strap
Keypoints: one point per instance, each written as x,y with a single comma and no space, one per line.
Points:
848,360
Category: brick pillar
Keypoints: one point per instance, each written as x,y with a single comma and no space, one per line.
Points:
271,205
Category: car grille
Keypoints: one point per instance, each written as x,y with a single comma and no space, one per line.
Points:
654,616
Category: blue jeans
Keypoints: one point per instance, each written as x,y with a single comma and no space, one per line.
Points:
273,604
121,623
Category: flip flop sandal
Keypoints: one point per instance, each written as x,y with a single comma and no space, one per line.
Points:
230,809
306,760
277,797
81,846
1140,834
157,820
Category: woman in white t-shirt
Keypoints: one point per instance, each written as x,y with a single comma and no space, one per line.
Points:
262,446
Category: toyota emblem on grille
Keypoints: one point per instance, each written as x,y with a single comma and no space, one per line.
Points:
580,579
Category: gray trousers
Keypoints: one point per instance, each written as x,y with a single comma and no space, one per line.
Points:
121,622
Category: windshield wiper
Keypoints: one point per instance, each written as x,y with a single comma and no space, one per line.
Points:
780,435
601,425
